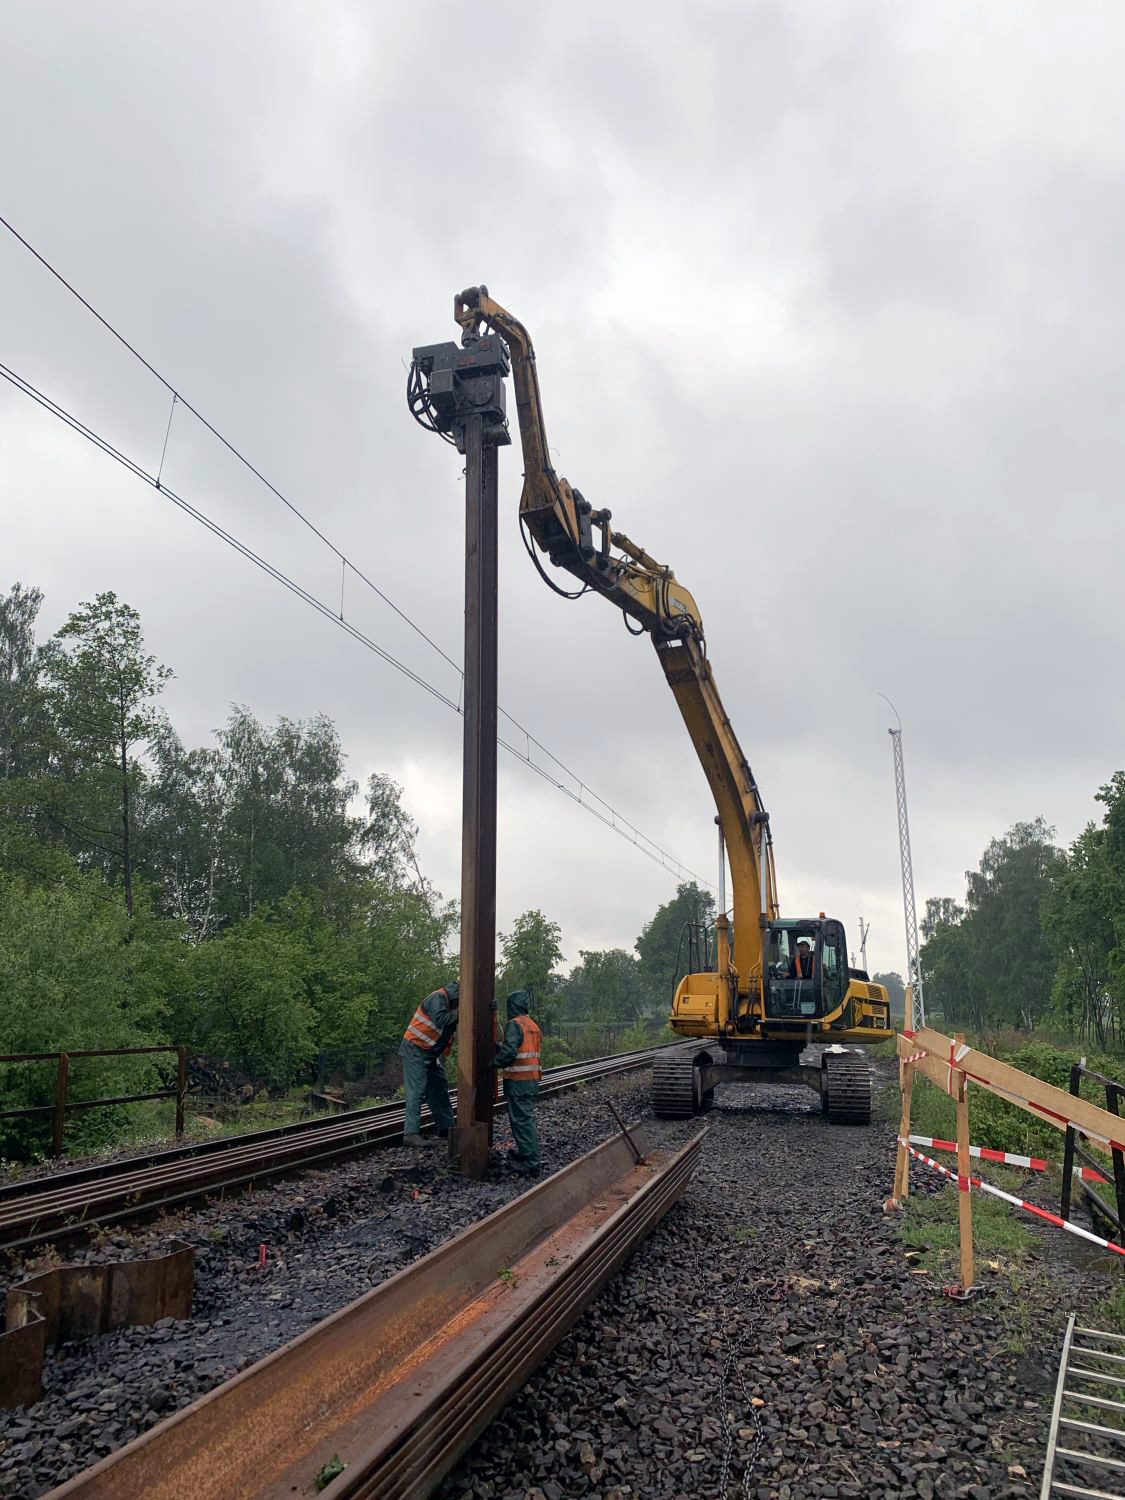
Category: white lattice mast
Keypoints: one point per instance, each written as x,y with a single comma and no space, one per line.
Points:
913,966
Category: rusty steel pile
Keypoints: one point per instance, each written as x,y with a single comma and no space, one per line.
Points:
767,1338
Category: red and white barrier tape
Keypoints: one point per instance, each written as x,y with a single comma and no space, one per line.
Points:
1007,1158
963,1184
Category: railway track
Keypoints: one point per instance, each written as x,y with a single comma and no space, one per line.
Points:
66,1205
392,1389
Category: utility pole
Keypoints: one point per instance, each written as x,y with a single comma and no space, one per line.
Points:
460,389
864,929
913,967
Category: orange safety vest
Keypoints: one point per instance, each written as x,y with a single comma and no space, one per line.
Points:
811,961
525,1067
422,1031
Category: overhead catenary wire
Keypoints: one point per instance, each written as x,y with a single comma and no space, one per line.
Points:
614,821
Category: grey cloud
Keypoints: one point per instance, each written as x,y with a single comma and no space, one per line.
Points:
826,305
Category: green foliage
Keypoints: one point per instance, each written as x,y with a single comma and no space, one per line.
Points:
22,710
554,1054
225,896
331,1470
389,836
247,994
1078,915
605,987
101,686
76,973
1012,956
1040,940
991,962
930,1227
530,956
663,946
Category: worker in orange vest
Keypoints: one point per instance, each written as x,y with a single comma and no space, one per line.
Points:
518,1056
425,1042
804,962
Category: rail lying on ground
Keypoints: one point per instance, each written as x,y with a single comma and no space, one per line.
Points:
67,1204
400,1383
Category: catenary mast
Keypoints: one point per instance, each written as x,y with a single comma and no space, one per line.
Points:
913,966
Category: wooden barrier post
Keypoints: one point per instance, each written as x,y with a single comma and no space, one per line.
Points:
62,1078
964,1196
902,1161
181,1089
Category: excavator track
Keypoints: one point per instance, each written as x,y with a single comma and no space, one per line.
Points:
846,1087
675,1086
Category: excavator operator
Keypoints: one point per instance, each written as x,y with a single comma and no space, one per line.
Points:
804,961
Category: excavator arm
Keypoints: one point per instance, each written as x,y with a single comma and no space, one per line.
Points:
580,540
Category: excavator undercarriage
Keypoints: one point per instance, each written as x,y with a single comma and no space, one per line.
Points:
684,1079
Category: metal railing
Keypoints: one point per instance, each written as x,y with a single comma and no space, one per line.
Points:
62,1060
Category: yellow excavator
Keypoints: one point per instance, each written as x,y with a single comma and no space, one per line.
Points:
779,983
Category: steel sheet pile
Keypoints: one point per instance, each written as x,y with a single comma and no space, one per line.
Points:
400,1382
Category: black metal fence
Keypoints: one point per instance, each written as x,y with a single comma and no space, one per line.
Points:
1074,1147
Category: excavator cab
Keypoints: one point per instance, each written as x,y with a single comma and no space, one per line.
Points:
806,969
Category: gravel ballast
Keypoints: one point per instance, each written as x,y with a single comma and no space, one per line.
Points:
771,1339
771,1317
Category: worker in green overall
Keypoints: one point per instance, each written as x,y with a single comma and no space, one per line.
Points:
518,1056
425,1042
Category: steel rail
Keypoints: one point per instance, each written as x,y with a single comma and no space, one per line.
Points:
68,1204
401,1382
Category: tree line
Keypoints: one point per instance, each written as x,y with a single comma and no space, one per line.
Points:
245,897
1038,941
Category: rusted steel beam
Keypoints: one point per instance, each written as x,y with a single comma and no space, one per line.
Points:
473,1134
402,1381
69,1204
83,1302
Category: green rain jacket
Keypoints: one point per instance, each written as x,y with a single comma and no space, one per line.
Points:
442,1014
519,1004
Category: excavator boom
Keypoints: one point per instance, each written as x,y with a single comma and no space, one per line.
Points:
580,539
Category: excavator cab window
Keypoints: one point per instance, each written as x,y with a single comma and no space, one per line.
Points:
794,971
834,962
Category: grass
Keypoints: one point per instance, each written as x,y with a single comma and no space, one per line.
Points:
881,1049
930,1229
1001,1244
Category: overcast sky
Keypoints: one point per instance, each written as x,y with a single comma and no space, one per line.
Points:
828,307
